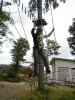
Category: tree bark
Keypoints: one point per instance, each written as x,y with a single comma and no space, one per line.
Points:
41,65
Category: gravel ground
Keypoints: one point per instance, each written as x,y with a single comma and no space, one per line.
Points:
9,91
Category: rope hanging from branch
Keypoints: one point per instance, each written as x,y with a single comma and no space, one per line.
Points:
52,21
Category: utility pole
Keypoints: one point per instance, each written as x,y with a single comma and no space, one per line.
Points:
41,65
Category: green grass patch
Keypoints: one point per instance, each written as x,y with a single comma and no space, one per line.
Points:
51,94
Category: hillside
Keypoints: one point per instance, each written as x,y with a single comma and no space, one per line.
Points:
4,68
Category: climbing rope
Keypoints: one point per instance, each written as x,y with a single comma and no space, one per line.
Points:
52,21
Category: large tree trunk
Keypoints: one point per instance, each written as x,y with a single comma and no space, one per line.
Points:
41,65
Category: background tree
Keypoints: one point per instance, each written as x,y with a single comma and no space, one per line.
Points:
20,47
52,47
5,19
33,4
71,40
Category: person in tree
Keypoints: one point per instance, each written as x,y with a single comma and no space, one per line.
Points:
38,47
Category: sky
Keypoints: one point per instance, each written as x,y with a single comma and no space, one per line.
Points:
62,18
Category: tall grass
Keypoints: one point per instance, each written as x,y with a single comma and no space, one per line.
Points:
51,94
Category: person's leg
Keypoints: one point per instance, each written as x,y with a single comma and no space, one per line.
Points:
43,56
35,55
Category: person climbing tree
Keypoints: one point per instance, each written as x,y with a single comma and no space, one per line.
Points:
38,47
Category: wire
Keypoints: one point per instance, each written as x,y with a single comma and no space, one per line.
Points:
14,23
21,21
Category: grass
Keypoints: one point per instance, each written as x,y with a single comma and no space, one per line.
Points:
51,94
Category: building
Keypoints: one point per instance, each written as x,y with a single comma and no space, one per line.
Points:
28,73
62,69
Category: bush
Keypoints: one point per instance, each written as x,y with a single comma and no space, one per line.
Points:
14,79
11,79
2,77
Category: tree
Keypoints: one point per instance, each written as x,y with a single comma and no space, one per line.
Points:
20,47
41,5
71,40
33,4
52,47
37,5
4,29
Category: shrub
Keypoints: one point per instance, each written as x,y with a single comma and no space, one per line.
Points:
2,77
14,79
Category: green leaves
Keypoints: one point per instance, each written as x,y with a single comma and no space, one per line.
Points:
46,6
71,40
20,47
32,5
4,29
52,48
72,27
4,16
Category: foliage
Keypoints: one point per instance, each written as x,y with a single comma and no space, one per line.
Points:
20,47
33,5
4,29
71,40
19,50
2,77
50,94
12,72
4,16
4,70
7,73
52,47
14,79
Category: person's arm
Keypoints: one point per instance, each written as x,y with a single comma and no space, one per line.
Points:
33,29
48,35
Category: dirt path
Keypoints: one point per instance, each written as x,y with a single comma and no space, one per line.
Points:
9,91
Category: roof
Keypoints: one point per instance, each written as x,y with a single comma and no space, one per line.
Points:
63,59
28,68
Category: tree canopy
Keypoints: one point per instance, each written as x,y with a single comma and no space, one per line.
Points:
52,47
4,28
71,39
46,4
20,47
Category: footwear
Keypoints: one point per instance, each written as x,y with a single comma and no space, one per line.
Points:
48,71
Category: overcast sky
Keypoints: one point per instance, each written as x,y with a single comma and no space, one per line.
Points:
62,17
